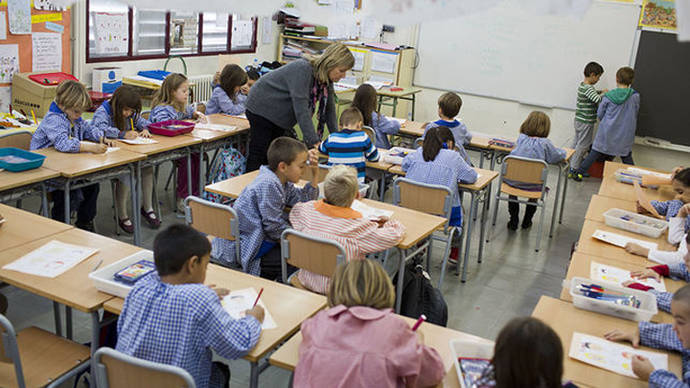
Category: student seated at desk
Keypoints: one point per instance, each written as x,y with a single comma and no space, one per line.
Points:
351,146
527,353
332,218
170,103
666,257
365,100
120,118
171,317
532,143
359,342
63,128
449,105
260,208
672,337
436,163
226,97
676,209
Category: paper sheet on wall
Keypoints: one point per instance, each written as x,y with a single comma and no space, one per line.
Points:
48,5
9,62
617,276
46,51
383,61
611,356
3,26
5,98
111,30
51,259
237,302
242,31
359,58
266,30
683,12
19,12
370,28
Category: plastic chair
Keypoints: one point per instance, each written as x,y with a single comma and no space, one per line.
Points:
114,369
21,139
431,199
314,254
213,219
524,170
50,360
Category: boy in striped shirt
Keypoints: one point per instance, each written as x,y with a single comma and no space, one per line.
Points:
585,116
351,146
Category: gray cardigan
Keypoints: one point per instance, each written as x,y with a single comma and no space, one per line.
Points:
282,97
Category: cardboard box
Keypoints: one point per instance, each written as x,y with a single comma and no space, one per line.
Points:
28,94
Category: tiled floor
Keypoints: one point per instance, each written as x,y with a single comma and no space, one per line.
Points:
508,283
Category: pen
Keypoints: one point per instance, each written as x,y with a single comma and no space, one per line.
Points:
421,319
257,297
97,265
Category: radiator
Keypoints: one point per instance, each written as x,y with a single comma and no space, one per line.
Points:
201,89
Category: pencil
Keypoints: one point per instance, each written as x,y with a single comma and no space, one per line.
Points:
421,319
257,297
131,123
34,116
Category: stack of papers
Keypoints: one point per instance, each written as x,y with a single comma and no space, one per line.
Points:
617,276
139,141
620,241
239,301
216,127
51,260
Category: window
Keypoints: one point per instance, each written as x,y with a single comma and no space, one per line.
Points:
119,32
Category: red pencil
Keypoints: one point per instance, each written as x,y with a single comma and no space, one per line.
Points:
421,319
257,297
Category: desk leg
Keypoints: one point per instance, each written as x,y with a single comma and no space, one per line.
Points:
95,336
382,186
190,191
468,238
414,99
68,322
399,286
58,321
254,375
44,200
555,203
137,194
378,108
202,171
66,200
485,209
564,172
395,105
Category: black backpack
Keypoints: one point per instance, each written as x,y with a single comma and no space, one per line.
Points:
420,297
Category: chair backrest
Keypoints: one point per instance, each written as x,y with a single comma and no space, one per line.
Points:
145,114
21,139
212,218
9,350
423,197
370,132
314,254
323,171
525,170
418,142
117,370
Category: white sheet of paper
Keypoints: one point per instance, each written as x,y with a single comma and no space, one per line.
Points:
616,276
642,171
216,127
359,58
611,356
401,121
9,60
266,30
51,260
242,32
46,50
110,149
384,62
619,240
370,212
683,16
19,12
242,116
139,141
111,30
3,25
237,302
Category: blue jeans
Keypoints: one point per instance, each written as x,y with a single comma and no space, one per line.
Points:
596,156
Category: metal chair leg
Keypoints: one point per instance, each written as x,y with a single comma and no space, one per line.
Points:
495,216
444,262
541,223
116,208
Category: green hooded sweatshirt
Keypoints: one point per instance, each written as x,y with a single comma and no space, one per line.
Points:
619,95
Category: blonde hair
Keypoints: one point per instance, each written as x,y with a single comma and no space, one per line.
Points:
72,95
341,185
165,95
335,55
361,283
537,124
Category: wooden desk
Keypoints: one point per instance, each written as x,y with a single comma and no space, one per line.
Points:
565,319
16,185
600,204
21,227
412,129
610,187
437,337
580,265
72,165
232,187
165,143
289,307
408,93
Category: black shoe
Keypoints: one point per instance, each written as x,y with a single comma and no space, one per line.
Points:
88,226
526,224
513,224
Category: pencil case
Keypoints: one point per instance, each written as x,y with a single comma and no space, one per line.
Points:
646,310
636,223
104,278
171,127
466,350
502,143
625,176
16,159
134,272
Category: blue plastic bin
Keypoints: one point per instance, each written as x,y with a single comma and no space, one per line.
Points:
155,74
31,160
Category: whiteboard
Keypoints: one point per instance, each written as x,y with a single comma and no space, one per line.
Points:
511,53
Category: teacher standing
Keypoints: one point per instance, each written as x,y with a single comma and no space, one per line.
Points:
289,95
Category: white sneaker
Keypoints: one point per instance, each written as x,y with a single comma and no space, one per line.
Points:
180,206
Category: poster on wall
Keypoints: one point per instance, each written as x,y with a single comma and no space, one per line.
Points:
659,14
111,30
48,5
46,51
5,98
9,62
19,12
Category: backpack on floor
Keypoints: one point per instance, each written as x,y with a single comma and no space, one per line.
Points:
420,297
229,163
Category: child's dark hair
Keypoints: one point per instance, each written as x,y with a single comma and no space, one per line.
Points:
625,76
434,140
683,176
365,101
350,117
682,295
253,74
450,104
528,353
284,149
232,77
125,97
593,68
175,245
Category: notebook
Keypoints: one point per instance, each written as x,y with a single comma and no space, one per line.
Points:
239,301
52,259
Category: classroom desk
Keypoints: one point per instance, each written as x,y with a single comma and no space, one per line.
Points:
580,265
381,169
408,93
16,185
600,204
480,193
21,227
591,246
437,337
289,307
565,319
232,187
73,288
93,168
610,187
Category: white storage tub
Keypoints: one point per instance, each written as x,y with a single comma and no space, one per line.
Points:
645,312
103,278
636,223
469,349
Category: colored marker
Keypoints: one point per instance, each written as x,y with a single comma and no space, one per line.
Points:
34,116
421,319
131,123
257,297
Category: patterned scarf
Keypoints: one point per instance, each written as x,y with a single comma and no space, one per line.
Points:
319,93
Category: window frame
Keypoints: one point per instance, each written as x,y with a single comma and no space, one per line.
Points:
199,47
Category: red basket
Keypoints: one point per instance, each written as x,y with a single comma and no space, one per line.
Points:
171,127
51,79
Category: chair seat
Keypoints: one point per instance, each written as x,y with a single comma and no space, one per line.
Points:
510,190
44,356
